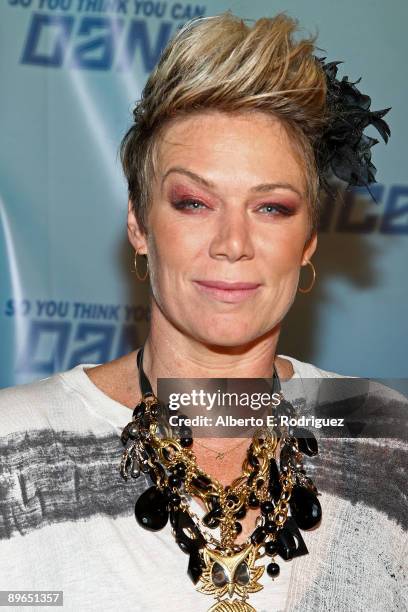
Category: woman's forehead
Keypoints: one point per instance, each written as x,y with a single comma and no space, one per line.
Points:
218,145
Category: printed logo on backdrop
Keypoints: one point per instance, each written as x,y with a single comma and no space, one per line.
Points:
104,35
101,34
357,213
57,335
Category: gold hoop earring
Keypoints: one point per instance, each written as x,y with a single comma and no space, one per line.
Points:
141,278
313,280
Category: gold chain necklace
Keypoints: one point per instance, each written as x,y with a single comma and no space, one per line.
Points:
222,568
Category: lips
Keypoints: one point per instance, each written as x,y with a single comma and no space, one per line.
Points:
229,292
230,286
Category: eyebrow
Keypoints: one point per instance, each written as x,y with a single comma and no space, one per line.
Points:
202,181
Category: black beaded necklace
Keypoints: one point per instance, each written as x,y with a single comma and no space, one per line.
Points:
222,567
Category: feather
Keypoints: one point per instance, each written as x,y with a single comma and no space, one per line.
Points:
343,149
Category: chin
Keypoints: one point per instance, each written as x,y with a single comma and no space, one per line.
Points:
224,337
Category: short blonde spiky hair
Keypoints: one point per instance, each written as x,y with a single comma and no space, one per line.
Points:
221,63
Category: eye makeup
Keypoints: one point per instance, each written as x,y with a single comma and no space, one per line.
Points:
187,199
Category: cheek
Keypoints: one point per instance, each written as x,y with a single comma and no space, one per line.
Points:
282,253
179,244
172,251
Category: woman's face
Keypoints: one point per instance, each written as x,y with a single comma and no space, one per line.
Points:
228,206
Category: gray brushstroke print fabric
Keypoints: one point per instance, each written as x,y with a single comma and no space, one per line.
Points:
67,518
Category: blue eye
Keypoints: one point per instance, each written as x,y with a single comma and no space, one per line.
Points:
277,207
188,204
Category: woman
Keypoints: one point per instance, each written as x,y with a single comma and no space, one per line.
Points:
230,144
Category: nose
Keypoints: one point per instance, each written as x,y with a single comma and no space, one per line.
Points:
232,237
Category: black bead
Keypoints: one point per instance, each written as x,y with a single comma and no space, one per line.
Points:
267,507
217,512
184,546
305,507
201,482
139,410
238,527
179,470
183,430
195,566
285,544
175,517
151,509
174,481
212,518
258,535
273,569
185,433
253,501
174,499
241,513
233,498
307,442
301,548
155,410
270,527
186,442
211,521
270,548
181,521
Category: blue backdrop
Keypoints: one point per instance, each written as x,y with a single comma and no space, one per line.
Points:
71,71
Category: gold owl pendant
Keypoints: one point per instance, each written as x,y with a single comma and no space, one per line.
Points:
230,575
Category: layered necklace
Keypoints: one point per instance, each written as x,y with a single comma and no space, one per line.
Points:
218,565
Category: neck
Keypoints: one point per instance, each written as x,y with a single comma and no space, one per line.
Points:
170,353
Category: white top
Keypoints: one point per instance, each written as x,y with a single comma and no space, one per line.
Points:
67,518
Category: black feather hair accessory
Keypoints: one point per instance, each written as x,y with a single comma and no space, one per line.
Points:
343,149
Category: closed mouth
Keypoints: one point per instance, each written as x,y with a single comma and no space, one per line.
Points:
227,292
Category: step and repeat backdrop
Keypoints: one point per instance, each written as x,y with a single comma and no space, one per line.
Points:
71,71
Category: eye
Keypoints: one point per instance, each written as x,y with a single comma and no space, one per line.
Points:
276,209
188,205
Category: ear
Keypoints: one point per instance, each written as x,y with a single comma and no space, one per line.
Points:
309,248
137,237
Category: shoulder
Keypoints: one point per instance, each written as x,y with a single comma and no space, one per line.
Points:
381,408
37,405
304,369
